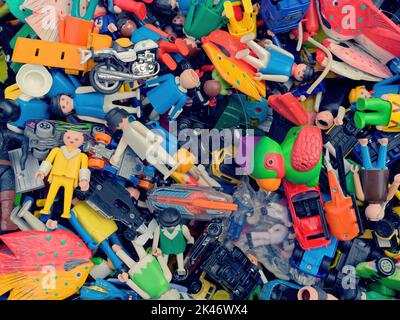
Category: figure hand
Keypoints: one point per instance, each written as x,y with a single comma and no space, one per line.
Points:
116,247
84,185
51,224
385,97
354,169
117,9
115,160
157,252
363,142
338,121
397,178
259,76
112,27
40,175
123,277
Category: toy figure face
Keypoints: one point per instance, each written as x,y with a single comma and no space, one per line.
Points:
66,104
123,124
73,139
127,28
299,72
179,19
364,94
189,79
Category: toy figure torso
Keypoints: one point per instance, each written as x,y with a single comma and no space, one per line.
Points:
279,64
375,185
89,105
148,276
34,109
165,95
172,241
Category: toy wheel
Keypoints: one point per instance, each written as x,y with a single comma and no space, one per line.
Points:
103,85
330,278
130,234
102,137
214,229
384,229
44,129
195,287
96,163
385,267
325,264
297,255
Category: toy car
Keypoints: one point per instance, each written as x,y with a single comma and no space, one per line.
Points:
280,290
306,209
44,135
315,262
348,254
109,198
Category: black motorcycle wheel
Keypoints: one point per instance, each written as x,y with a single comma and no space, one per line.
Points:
104,86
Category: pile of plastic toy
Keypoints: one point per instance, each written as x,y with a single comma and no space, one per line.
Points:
199,149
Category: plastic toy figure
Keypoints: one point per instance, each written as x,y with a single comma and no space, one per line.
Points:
273,63
172,236
273,162
90,105
379,90
7,178
383,113
204,17
67,167
149,277
141,140
106,24
166,47
374,188
169,93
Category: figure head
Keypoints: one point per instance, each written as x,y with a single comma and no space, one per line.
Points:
189,79
9,111
179,19
117,119
303,72
169,218
374,212
73,138
359,92
61,105
324,120
126,27
212,88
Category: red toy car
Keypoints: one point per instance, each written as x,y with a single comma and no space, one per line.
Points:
306,208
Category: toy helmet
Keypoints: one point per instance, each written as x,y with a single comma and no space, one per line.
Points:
169,217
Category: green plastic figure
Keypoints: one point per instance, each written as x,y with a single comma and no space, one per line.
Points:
204,17
149,277
298,159
172,236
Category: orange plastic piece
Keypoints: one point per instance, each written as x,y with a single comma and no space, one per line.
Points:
56,54
340,214
147,185
75,30
96,163
289,107
103,137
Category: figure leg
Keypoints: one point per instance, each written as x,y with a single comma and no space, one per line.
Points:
382,155
68,195
366,158
166,257
51,195
179,259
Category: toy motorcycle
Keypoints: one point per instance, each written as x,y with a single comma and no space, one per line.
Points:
121,63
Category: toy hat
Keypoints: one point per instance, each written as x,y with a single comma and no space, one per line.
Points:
34,80
169,217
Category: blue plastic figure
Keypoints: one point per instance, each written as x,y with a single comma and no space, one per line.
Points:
169,93
34,109
382,154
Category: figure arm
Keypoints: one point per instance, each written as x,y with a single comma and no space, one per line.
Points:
122,145
46,165
394,187
176,109
156,238
357,183
86,237
85,89
271,77
387,81
187,235
159,79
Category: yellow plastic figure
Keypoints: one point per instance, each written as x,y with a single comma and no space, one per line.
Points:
67,166
248,24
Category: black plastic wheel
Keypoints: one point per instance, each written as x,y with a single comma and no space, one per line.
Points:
385,266
130,234
214,229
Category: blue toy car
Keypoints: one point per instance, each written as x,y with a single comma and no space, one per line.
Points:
282,16
279,290
314,262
